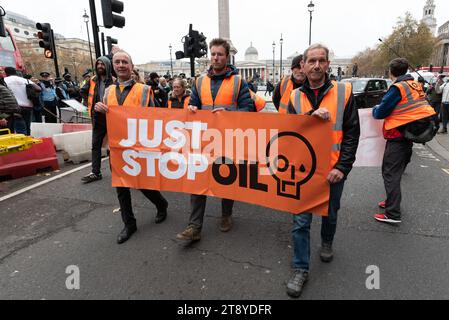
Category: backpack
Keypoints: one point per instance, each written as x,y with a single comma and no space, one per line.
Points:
421,131
32,94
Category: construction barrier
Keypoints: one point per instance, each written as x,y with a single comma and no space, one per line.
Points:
72,127
45,130
29,162
77,146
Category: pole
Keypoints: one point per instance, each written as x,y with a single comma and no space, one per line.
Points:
310,30
95,29
102,43
171,61
281,70
274,67
192,66
90,47
56,55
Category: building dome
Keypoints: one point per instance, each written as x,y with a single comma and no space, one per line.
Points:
251,54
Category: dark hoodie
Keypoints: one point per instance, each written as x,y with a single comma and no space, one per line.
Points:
100,85
244,101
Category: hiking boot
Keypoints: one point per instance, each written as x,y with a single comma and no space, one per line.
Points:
226,224
383,218
296,283
190,234
92,177
383,204
326,252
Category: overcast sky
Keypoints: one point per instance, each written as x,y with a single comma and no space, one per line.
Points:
346,26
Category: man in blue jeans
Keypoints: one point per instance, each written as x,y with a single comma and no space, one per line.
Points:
330,101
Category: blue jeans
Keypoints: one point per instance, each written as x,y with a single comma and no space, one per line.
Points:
301,229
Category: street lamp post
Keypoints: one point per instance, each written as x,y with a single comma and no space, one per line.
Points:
171,59
86,20
311,8
274,67
282,71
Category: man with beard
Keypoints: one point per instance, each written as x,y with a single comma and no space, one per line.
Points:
93,92
222,89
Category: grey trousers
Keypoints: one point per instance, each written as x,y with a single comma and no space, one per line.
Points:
198,204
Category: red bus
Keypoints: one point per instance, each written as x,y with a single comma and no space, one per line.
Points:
9,53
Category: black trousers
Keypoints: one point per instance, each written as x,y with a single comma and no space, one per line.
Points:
398,154
50,106
124,197
199,209
99,132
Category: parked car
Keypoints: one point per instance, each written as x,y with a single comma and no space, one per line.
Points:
368,92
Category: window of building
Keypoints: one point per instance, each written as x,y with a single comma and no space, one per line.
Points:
26,33
16,30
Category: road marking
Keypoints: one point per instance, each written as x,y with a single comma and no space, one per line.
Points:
446,170
40,184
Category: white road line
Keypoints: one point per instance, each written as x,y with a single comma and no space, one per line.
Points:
40,184
446,170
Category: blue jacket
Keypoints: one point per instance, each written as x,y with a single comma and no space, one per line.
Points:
390,100
244,101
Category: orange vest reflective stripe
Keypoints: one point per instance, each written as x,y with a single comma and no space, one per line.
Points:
412,107
286,91
90,98
140,95
259,102
227,96
186,103
335,101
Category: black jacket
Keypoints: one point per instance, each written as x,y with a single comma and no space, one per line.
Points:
351,125
277,93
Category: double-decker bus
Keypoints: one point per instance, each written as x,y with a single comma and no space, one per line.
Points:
10,54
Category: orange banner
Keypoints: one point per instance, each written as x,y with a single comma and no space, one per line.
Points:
276,161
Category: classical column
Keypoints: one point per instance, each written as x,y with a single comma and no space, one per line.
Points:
224,25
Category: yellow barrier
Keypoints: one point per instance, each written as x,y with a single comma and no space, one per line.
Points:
12,143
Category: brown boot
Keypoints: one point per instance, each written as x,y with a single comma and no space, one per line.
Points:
190,234
226,224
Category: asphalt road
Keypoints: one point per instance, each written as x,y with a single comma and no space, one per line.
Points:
65,223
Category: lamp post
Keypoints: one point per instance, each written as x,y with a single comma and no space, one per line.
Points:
311,8
282,71
86,20
171,59
274,67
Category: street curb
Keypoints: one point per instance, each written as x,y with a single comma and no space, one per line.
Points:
439,149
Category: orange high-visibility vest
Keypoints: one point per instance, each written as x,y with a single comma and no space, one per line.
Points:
412,107
186,103
90,98
335,101
227,96
259,102
286,91
140,95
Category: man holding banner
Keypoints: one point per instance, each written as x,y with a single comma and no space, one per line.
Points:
334,102
126,94
222,89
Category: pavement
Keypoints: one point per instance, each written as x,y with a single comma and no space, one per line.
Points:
440,145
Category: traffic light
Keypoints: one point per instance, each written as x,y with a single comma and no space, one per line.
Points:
110,19
111,41
201,47
189,47
46,39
